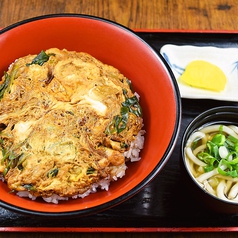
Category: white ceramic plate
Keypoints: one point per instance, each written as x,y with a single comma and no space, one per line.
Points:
178,57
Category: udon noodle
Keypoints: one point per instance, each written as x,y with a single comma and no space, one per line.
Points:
211,155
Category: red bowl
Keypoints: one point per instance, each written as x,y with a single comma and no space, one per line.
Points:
151,78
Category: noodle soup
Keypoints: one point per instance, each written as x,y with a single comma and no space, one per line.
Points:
211,156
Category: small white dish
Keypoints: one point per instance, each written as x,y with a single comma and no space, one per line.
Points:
178,57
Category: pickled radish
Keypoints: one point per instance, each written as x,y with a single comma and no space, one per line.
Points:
204,75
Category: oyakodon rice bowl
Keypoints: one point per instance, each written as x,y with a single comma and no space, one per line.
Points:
69,124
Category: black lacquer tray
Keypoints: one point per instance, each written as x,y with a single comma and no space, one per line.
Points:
165,204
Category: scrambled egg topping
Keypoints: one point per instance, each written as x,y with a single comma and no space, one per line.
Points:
202,74
65,121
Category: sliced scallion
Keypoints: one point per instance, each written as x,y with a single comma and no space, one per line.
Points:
40,59
221,152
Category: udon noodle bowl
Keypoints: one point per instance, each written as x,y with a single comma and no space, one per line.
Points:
211,156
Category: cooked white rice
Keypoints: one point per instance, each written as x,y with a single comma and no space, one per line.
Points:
133,153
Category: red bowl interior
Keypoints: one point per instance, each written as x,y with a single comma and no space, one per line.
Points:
120,47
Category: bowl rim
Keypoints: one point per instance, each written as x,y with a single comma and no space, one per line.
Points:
59,15
167,153
191,127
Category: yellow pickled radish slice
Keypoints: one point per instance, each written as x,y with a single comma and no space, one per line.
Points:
202,74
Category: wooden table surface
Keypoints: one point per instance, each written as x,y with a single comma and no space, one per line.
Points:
135,14
151,14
